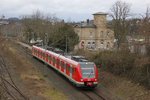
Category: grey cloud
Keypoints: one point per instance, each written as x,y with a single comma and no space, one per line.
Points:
67,9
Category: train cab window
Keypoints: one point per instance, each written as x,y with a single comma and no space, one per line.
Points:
87,70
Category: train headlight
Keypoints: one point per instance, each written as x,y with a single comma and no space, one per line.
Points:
81,79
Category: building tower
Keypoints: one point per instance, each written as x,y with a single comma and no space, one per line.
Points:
100,20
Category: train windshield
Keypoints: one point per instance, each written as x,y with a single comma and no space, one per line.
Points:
88,70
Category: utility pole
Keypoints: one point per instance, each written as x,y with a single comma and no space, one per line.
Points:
46,40
66,45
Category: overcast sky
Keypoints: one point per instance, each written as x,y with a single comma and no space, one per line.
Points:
74,10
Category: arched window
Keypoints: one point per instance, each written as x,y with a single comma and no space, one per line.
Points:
108,44
108,33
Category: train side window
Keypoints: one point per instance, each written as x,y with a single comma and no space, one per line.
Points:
57,62
62,64
54,60
46,56
43,54
49,57
73,70
67,67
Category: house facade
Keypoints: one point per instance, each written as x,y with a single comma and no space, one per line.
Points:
94,34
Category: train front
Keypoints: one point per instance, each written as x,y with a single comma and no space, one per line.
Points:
89,74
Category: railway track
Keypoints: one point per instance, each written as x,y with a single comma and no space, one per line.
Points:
92,95
7,85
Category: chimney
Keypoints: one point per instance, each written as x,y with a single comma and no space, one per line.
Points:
87,21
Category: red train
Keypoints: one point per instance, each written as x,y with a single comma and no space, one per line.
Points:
77,69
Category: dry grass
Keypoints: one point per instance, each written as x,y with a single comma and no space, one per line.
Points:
123,88
30,76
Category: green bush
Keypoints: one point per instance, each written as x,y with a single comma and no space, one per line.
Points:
142,71
115,62
122,63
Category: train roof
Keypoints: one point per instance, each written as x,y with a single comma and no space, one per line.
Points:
58,55
79,59
73,59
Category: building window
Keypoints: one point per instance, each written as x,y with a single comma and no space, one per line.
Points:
93,45
107,33
88,45
108,44
102,34
91,35
102,41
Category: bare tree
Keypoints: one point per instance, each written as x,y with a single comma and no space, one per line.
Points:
119,13
36,25
144,28
56,29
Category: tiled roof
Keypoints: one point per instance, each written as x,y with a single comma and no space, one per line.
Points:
85,24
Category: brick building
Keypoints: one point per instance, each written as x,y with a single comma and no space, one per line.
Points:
94,34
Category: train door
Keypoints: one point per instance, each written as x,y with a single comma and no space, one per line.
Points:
71,71
54,61
43,56
49,60
68,69
57,63
64,67
46,57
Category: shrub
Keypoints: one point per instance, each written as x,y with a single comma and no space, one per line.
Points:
115,62
123,63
